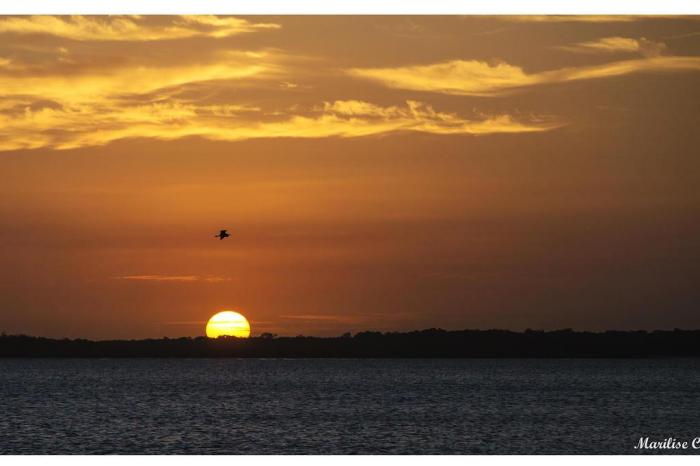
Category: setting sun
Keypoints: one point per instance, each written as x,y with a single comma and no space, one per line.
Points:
228,323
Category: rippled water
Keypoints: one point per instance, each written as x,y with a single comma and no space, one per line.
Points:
256,406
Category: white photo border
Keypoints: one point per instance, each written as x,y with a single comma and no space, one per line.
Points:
356,7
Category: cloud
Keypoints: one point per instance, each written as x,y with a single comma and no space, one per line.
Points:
330,320
84,125
472,77
58,106
684,36
620,68
576,18
609,45
130,28
465,77
81,86
186,322
174,278
315,317
64,100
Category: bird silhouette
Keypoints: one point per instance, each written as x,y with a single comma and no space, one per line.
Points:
222,234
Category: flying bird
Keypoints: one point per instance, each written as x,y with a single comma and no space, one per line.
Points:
222,234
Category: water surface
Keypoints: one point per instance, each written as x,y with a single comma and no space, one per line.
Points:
333,406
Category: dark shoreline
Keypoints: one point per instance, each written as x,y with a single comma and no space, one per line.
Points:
431,343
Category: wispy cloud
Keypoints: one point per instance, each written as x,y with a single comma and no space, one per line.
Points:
130,28
62,104
186,322
578,18
174,278
50,107
78,86
323,319
314,317
473,77
67,127
609,45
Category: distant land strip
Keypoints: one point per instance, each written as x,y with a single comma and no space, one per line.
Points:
430,343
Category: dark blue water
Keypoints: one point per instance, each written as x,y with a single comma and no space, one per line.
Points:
233,406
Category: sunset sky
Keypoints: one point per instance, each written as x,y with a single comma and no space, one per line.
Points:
375,173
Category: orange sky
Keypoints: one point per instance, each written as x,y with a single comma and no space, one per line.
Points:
376,173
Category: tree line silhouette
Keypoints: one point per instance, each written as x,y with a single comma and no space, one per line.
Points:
429,343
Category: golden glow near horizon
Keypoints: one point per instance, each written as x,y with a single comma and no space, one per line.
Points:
228,323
